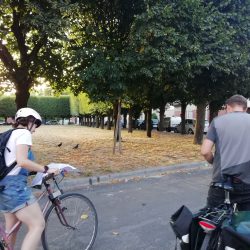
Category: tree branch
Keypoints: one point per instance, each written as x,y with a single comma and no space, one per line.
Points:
33,54
18,33
7,58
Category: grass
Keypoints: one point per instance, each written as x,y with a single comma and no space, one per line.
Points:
95,152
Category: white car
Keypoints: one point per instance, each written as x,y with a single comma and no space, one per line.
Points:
170,123
190,126
206,126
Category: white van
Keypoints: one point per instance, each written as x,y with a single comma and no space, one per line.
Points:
170,123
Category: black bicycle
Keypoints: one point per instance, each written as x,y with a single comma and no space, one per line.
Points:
212,219
217,228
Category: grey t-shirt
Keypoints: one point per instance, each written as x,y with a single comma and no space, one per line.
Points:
231,135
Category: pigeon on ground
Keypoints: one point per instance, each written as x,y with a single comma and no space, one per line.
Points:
76,146
60,144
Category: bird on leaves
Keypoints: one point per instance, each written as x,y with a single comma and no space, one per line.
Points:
76,146
59,145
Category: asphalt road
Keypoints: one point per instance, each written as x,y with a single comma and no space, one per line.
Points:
135,215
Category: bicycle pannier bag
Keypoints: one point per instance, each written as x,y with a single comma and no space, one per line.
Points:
4,170
180,222
237,233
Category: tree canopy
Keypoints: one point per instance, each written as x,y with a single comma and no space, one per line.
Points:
31,35
145,53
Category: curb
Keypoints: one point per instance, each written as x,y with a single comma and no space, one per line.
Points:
77,183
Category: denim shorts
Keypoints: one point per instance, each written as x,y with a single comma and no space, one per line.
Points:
15,194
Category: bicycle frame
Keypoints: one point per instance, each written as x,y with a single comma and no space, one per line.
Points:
212,219
47,192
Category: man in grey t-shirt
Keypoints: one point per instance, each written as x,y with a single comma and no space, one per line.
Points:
230,133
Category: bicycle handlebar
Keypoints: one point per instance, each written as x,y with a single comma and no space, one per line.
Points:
48,177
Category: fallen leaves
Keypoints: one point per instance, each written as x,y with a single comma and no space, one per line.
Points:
95,152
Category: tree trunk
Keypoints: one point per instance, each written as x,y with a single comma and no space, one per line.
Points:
162,112
213,110
183,117
22,95
125,118
102,122
200,123
117,130
97,124
109,123
149,123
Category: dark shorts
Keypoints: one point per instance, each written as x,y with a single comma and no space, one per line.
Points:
15,194
240,195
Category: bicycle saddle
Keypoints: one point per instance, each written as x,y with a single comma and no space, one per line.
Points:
226,184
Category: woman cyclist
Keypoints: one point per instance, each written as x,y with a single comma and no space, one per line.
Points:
16,200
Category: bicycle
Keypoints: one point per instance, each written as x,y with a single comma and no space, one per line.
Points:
212,219
71,215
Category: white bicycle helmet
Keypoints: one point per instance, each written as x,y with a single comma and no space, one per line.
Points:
25,112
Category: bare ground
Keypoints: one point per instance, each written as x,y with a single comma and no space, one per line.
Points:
95,152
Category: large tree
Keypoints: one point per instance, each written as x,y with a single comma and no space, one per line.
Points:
165,50
225,42
31,36
200,48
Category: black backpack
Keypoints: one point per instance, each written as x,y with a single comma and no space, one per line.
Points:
4,138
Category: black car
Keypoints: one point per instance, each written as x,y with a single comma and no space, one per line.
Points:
52,122
154,124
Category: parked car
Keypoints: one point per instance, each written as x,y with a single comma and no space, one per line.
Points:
170,123
52,122
2,122
137,123
206,126
190,126
154,124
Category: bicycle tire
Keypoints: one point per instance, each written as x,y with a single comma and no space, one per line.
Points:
79,212
205,242
212,241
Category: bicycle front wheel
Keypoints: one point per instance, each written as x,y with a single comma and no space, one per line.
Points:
81,217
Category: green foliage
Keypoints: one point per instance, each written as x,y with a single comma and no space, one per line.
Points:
101,108
7,106
32,38
189,50
50,107
74,105
97,66
84,104
87,107
154,116
47,106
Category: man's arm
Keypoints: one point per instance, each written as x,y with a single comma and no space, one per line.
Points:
206,150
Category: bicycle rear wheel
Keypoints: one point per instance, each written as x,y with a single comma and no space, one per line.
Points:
206,242
81,216
212,241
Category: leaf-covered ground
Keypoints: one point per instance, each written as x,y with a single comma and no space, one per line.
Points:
94,154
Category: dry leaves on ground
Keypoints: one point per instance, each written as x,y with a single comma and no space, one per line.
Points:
94,154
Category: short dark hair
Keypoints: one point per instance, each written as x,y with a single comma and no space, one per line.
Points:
24,121
237,100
